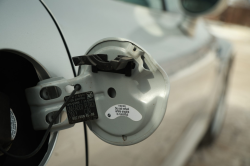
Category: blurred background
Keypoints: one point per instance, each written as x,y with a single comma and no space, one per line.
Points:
232,147
237,12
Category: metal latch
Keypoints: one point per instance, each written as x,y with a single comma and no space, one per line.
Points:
121,64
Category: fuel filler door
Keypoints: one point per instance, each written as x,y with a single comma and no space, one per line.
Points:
123,96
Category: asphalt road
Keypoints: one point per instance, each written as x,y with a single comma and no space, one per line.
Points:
232,147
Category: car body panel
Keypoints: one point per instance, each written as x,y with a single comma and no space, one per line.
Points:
28,30
91,21
27,27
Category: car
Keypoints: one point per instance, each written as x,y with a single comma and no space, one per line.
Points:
39,41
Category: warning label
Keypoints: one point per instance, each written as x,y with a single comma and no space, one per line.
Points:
81,107
123,110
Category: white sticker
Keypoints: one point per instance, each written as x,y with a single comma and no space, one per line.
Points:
123,110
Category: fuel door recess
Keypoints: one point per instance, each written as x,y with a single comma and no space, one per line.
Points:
123,98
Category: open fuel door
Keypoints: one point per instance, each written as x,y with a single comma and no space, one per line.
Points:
123,96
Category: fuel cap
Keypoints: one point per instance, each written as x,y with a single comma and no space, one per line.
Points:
8,124
130,107
13,125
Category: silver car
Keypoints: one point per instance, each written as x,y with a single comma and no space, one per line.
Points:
39,40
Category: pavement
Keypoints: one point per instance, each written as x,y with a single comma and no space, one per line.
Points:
232,147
